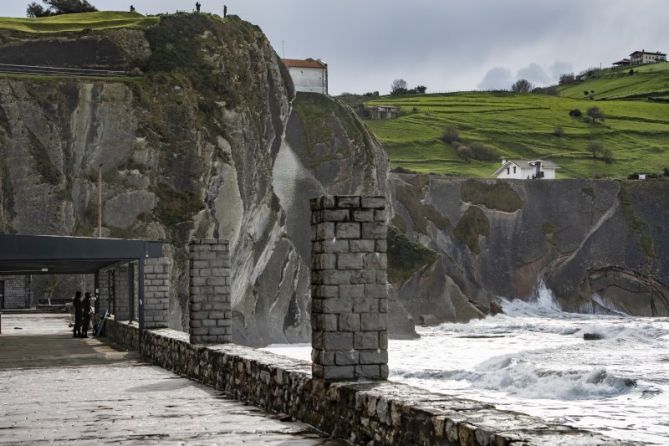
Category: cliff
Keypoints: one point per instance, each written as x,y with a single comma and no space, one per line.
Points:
193,148
599,246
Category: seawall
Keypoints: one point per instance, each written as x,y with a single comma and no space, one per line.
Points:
368,413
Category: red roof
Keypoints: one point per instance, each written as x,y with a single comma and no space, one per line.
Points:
308,63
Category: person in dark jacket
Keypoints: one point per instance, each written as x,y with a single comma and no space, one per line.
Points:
78,314
85,315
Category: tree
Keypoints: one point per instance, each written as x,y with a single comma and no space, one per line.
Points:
57,7
575,113
596,148
398,87
567,78
596,113
421,89
522,86
450,134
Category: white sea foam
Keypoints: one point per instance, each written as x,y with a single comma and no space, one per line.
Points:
534,359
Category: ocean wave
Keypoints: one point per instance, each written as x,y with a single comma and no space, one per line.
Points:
520,378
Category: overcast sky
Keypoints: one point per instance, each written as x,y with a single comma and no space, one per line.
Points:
445,45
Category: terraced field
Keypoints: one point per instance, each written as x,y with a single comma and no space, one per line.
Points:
524,126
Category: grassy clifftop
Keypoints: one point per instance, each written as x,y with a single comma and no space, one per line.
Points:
637,82
78,22
533,126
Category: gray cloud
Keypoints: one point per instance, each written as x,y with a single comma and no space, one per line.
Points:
498,78
443,45
559,68
535,74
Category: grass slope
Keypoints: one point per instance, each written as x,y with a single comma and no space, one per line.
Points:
522,126
618,83
78,22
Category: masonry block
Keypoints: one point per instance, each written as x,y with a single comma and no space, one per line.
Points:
210,303
349,288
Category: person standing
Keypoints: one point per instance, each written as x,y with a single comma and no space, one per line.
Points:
198,6
78,314
86,315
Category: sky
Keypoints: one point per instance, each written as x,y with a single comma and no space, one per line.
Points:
446,45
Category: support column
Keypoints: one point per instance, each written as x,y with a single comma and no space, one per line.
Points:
210,306
121,291
156,291
349,288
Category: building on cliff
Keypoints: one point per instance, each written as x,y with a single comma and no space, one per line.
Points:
526,170
309,75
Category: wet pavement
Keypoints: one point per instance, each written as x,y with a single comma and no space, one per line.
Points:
58,390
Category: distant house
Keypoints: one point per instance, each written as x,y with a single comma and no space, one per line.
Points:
622,63
383,111
643,56
310,75
526,170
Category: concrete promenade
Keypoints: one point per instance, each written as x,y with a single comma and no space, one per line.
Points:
58,390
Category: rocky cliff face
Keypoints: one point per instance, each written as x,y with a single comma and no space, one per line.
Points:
195,148
599,246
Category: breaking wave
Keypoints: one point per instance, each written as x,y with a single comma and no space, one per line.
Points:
520,378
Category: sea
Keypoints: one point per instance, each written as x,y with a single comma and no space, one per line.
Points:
534,359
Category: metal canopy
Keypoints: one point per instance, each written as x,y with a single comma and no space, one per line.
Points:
43,254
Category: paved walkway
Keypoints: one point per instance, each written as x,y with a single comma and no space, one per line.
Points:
58,390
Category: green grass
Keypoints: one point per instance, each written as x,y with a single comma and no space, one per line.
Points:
617,83
521,126
78,22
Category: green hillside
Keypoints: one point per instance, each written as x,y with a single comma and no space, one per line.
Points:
626,82
524,126
78,22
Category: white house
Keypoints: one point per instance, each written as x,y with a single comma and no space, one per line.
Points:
643,56
526,170
308,75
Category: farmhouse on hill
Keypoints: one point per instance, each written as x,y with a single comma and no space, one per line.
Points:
526,170
383,112
309,75
643,56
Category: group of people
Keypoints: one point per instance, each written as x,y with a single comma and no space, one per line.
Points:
82,314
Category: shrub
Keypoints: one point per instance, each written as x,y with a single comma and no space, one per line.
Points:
596,148
464,152
575,113
596,113
450,134
57,7
568,78
607,155
484,152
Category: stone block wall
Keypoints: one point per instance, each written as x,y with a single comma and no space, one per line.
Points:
122,292
17,292
375,413
210,305
156,292
349,288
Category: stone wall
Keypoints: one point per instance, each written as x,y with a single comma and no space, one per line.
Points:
372,413
17,292
349,288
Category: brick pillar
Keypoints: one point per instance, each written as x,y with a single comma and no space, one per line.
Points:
349,288
210,306
156,292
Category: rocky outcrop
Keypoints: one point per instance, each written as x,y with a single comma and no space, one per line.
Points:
600,246
194,149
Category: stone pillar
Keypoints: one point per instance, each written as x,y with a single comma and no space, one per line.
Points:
349,288
121,292
210,306
156,292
